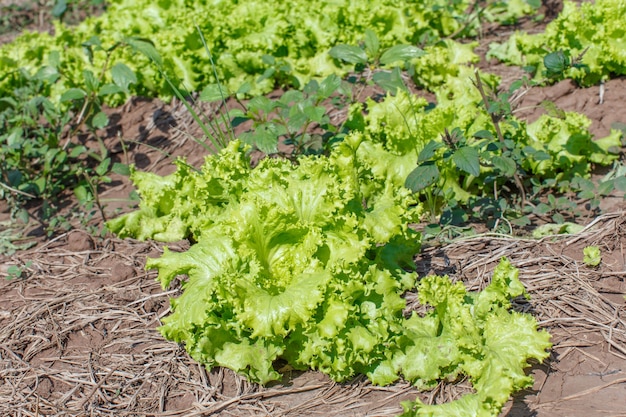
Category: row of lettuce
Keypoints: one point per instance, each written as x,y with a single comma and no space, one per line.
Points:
152,49
243,34
309,262
297,34
65,78
590,34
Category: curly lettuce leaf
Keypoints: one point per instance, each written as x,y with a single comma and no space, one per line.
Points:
590,33
284,255
169,209
571,147
240,34
473,334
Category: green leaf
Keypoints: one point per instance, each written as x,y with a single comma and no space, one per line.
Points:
556,62
48,74
212,93
592,256
82,193
121,169
429,151
400,53
390,80
556,229
620,184
103,167
145,47
484,134
23,216
268,59
253,359
261,103
315,113
100,120
72,94
123,76
41,184
93,41
77,151
109,89
15,177
14,271
91,82
586,194
372,45
15,140
328,86
244,88
584,184
349,53
264,137
606,187
271,315
422,177
468,160
234,113
505,165
60,6
267,74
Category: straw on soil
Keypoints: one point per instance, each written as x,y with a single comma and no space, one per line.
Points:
78,335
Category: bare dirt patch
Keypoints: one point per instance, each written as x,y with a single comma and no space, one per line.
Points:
603,104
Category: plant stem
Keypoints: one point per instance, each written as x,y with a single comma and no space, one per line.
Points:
496,123
94,192
15,190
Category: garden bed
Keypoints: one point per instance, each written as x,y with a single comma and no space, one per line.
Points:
78,327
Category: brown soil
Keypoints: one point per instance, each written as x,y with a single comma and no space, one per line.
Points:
17,16
78,331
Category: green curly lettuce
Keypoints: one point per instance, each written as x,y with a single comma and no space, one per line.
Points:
571,147
309,263
278,246
169,209
240,34
472,334
396,129
592,35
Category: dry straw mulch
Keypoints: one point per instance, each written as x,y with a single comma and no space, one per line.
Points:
78,336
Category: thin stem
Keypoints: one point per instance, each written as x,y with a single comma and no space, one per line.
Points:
16,190
94,192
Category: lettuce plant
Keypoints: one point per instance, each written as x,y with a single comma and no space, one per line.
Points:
588,37
463,149
308,263
285,254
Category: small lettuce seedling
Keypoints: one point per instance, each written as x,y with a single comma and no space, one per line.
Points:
592,256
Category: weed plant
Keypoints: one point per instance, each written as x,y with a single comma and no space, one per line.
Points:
40,157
